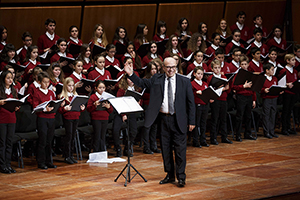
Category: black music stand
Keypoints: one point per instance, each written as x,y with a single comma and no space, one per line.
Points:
127,105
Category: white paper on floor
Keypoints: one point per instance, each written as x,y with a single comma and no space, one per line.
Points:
101,157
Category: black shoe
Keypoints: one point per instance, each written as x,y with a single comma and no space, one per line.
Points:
167,179
50,165
292,132
181,183
274,135
73,159
147,151
196,144
4,170
226,140
156,150
119,152
214,142
68,160
204,144
11,169
42,166
285,133
268,136
238,138
249,137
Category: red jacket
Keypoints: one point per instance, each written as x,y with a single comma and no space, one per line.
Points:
76,79
56,57
245,32
7,117
191,67
229,47
268,84
243,91
69,114
224,94
44,42
197,87
38,98
97,114
254,68
94,74
290,77
28,77
148,58
156,38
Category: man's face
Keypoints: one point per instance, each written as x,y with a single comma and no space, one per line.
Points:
170,67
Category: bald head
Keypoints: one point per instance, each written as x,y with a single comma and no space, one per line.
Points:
169,66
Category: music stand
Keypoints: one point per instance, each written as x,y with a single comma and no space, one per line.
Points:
127,105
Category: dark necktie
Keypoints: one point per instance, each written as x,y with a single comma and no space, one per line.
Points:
170,97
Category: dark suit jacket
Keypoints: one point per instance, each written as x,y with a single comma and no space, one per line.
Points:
184,99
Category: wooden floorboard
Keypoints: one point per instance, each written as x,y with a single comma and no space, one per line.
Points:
243,170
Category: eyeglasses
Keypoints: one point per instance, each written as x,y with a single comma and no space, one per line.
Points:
170,67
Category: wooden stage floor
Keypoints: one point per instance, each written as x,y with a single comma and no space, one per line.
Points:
243,170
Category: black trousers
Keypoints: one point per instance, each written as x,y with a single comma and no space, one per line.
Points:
45,129
269,109
149,134
218,112
201,117
7,132
117,127
70,127
99,127
243,108
289,101
171,136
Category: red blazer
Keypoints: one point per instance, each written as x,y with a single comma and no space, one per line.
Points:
76,80
38,98
243,91
290,77
265,32
147,59
224,94
253,67
264,49
30,90
197,87
156,38
225,69
97,114
44,42
56,57
245,32
229,46
268,84
69,114
191,67
116,62
28,77
94,74
7,117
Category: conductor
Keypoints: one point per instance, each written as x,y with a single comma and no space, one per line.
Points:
172,104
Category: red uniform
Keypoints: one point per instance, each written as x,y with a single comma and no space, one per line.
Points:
224,94
7,117
157,38
290,77
192,66
112,61
264,50
70,115
264,30
17,86
44,42
211,50
243,91
197,87
94,74
28,77
31,90
229,47
167,54
56,57
254,68
148,58
22,54
268,84
97,114
3,64
245,31
76,79
38,98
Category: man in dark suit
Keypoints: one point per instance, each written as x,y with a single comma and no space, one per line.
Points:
172,104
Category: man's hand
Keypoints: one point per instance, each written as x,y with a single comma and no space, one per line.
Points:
128,69
191,127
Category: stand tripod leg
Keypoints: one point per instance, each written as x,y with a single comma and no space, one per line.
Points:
120,173
138,172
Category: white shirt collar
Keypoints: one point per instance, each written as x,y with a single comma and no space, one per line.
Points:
289,68
121,40
273,63
197,64
236,43
98,95
162,36
99,40
76,40
33,61
298,59
183,33
258,44
268,77
199,82
4,43
175,51
100,71
224,33
45,91
12,61
87,60
78,76
36,84
219,76
153,55
277,40
62,54
51,37
240,26
255,62
127,55
237,65
110,59
204,37
25,47
258,26
214,47
70,94
8,91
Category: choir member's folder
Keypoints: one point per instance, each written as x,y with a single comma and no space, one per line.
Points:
258,80
12,103
210,94
77,101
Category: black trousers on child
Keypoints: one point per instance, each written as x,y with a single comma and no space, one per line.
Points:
243,108
201,117
269,109
149,135
7,132
45,129
99,127
289,101
70,127
218,112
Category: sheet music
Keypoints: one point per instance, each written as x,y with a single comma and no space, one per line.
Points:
125,104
